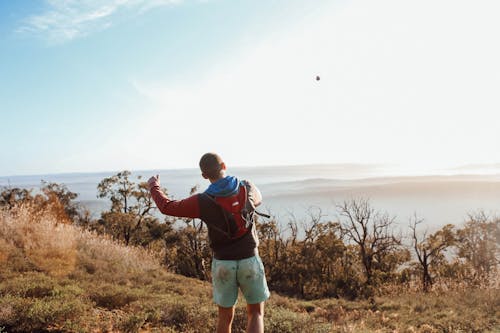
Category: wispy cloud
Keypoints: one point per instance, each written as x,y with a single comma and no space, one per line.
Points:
65,20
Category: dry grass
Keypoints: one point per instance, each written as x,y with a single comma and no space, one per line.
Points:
48,244
56,277
466,311
101,255
61,249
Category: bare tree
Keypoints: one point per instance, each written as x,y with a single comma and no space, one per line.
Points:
370,231
429,249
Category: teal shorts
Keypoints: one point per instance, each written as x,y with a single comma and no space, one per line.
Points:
246,274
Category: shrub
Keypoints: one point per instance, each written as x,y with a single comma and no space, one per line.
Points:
18,314
32,285
132,322
281,320
113,297
188,316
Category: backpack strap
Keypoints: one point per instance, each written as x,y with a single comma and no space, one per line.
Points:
246,185
227,233
262,214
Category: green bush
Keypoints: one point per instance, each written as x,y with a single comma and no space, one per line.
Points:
20,314
39,285
177,315
35,285
132,322
113,297
281,320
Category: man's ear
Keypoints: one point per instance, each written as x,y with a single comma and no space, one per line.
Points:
203,175
223,166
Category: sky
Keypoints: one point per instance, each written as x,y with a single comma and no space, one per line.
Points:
103,85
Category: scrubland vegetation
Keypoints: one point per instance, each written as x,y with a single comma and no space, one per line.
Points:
62,271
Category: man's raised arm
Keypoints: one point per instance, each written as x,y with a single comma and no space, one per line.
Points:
181,208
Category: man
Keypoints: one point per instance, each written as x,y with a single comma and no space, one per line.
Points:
236,262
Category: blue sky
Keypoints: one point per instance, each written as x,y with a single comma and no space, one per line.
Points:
148,84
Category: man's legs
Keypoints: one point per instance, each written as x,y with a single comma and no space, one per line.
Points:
225,319
225,292
255,313
252,282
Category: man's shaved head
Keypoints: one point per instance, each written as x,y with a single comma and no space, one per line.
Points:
211,166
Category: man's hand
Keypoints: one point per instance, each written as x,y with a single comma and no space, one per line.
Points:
153,181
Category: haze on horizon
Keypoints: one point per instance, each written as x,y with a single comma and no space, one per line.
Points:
147,84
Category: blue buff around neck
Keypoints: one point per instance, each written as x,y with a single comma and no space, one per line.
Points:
224,187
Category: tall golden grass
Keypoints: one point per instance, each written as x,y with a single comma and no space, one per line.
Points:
46,243
58,248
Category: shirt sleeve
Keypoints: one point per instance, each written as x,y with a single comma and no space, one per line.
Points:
188,207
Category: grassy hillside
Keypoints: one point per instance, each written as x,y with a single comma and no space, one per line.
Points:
56,277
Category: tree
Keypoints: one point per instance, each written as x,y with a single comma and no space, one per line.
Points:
12,196
429,249
478,243
371,232
131,205
308,259
66,198
118,189
57,197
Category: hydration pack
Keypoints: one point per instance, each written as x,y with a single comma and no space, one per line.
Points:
239,212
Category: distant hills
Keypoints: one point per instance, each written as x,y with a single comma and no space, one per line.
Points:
444,197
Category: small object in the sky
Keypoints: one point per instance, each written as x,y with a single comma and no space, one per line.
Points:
317,78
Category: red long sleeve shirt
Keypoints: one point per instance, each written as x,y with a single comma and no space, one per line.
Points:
188,207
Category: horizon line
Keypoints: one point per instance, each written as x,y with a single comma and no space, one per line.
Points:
189,168
436,171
